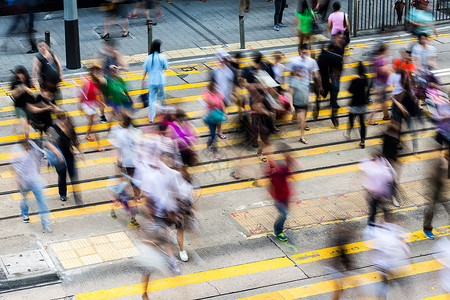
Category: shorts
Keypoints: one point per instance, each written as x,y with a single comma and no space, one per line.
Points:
167,222
20,112
119,10
89,109
299,107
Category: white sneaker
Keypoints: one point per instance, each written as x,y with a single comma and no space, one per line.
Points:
183,256
395,202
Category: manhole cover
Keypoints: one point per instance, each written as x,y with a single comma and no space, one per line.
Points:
25,263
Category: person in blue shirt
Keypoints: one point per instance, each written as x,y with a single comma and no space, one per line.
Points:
154,66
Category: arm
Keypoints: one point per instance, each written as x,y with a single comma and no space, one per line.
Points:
347,24
55,151
329,27
59,66
143,77
316,76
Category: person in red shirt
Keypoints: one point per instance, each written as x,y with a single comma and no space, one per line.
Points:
280,189
405,63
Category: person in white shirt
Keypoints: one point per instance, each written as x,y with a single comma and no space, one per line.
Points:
26,162
278,67
424,55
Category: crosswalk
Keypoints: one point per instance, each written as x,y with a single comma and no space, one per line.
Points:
327,156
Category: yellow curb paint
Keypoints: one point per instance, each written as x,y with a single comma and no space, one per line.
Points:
182,280
329,286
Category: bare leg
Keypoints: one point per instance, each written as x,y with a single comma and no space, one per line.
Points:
145,280
180,239
136,8
126,23
106,21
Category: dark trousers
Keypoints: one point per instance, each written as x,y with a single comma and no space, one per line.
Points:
62,174
375,202
361,123
212,129
279,8
279,223
334,92
436,197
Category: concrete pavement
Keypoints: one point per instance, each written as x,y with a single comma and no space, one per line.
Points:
227,261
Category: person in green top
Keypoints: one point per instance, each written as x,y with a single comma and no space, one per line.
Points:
116,91
305,18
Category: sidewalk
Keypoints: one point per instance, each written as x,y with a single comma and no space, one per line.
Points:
186,24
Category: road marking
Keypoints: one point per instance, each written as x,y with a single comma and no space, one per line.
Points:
251,268
188,279
349,282
439,297
204,191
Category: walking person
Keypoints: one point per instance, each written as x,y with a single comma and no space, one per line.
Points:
244,6
337,21
278,16
27,166
280,189
358,105
378,180
46,66
215,113
91,100
305,18
154,65
382,68
437,183
22,93
299,90
63,136
118,9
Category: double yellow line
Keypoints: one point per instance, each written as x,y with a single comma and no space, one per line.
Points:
264,266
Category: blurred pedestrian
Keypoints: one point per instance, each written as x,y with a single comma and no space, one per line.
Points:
421,18
63,136
299,90
244,6
305,19
116,92
336,50
26,162
278,16
382,67
379,176
46,66
337,21
115,9
436,185
358,105
154,65
321,7
148,5
279,68
280,189
215,113
22,93
91,100
126,138
423,55
110,56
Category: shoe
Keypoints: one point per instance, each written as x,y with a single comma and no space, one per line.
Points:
150,21
395,203
183,255
63,198
32,51
281,237
429,234
113,214
26,219
276,27
282,25
133,16
247,10
48,17
173,265
362,145
134,223
126,34
105,37
47,229
103,119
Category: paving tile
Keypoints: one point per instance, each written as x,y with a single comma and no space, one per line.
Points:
91,259
72,263
85,251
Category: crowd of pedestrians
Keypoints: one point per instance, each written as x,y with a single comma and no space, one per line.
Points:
152,176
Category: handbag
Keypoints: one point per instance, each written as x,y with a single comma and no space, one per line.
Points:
346,31
216,116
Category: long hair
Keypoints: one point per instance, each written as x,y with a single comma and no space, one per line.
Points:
69,125
21,70
406,81
156,46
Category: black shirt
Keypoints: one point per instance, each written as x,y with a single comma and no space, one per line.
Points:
22,100
358,88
